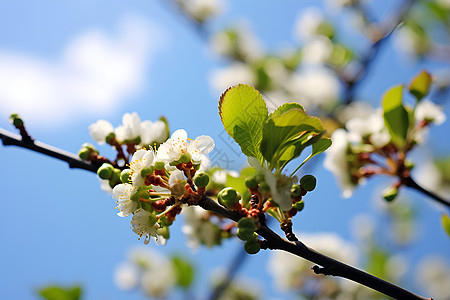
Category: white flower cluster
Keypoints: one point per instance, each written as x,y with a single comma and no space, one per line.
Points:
134,197
202,10
148,270
132,130
368,129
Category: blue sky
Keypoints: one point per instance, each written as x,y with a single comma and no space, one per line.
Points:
58,226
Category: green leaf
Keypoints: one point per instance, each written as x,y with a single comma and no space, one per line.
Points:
243,113
284,108
184,271
286,134
395,115
420,85
317,148
54,292
445,220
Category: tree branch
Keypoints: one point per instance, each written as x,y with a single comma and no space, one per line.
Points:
328,266
409,182
381,35
11,139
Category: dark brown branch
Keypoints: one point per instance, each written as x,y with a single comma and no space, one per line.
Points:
381,35
328,266
409,182
74,161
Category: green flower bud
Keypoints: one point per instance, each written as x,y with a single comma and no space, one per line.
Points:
164,232
228,197
163,221
299,205
89,146
110,137
201,179
136,195
390,193
16,120
147,171
295,190
260,177
159,165
264,187
83,153
409,164
247,224
151,220
105,171
308,182
196,167
251,182
125,175
252,247
245,234
186,157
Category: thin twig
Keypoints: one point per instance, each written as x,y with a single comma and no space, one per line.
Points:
9,138
328,266
409,182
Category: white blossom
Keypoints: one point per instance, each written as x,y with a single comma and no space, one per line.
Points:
122,193
317,50
314,87
203,9
100,130
130,128
371,126
178,145
428,111
141,159
177,181
126,276
197,228
142,225
280,185
153,132
336,161
159,278
433,273
308,22
235,73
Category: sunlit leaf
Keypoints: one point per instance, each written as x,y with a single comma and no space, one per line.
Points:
243,113
395,115
184,271
55,292
420,85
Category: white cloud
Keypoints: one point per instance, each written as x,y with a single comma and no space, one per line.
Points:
94,74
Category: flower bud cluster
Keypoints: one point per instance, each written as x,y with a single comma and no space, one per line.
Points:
157,182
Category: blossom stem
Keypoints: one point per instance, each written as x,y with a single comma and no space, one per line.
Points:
409,182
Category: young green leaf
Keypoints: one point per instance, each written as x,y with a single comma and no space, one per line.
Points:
243,113
395,115
445,220
54,292
420,85
286,134
284,108
183,270
317,148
